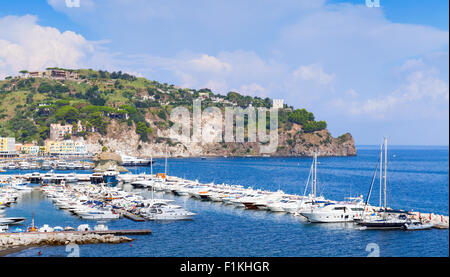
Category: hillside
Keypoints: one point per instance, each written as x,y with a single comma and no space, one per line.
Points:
128,114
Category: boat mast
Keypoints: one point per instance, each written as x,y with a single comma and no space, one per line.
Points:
381,173
315,175
165,166
151,166
385,171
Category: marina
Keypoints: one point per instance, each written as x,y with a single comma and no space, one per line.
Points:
150,192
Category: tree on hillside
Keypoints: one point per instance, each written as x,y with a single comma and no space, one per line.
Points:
45,87
68,114
313,126
301,116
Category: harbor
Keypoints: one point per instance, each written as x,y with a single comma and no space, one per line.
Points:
150,191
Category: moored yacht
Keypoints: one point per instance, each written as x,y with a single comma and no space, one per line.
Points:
61,165
34,165
334,212
24,165
71,178
110,177
78,165
96,178
35,178
70,166
384,218
47,177
46,165
12,166
133,161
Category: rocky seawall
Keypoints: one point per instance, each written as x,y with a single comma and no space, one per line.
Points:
20,240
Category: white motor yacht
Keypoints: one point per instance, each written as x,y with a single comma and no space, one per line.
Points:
334,212
48,177
169,214
99,215
78,165
61,165
71,178
24,165
34,165
12,166
70,166
46,165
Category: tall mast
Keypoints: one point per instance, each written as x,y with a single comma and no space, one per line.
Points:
315,175
151,166
385,171
165,166
381,174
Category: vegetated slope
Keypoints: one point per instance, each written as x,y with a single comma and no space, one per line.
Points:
132,115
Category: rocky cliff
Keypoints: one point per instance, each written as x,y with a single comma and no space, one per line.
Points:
122,138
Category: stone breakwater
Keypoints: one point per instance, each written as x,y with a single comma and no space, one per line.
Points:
12,240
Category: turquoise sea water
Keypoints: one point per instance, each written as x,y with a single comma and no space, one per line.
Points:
418,179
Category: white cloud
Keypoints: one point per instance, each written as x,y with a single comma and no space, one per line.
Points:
253,89
314,73
423,95
209,63
352,93
26,45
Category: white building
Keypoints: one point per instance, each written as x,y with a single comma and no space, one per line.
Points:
278,103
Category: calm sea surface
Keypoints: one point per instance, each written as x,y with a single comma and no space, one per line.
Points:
418,179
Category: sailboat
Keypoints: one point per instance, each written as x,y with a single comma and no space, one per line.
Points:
384,219
321,211
306,203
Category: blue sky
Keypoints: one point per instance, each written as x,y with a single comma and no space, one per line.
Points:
373,72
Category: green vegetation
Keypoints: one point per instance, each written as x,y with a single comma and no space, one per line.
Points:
89,103
306,119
